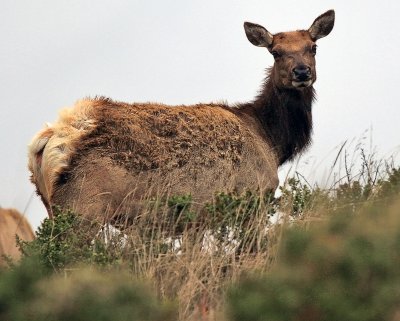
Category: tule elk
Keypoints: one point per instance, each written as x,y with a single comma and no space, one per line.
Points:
12,223
102,157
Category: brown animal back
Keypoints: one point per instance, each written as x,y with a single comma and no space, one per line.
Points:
144,137
140,150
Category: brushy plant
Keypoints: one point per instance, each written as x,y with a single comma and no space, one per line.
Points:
30,292
68,240
180,212
390,187
296,197
240,219
17,286
90,295
345,269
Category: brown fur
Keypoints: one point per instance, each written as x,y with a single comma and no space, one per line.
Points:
101,157
12,223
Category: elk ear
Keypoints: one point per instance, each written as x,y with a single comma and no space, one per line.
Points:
258,35
323,25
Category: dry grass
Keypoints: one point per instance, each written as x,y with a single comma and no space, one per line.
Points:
194,257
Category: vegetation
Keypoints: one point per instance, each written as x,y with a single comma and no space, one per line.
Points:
31,292
333,255
343,269
339,262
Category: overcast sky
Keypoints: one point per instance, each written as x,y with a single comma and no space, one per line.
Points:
182,52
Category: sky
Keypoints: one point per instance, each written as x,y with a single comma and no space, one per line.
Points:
53,53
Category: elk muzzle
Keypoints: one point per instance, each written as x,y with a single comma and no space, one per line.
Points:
301,76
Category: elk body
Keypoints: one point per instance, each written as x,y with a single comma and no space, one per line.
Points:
101,157
12,223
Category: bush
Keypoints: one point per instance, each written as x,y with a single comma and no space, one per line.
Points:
29,292
17,286
68,240
346,269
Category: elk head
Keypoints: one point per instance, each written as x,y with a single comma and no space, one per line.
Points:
294,52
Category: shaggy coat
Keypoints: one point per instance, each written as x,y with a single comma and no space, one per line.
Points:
101,156
12,223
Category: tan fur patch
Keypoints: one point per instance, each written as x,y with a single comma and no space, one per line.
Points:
12,223
51,149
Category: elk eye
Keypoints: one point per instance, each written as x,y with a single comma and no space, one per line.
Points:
275,54
314,49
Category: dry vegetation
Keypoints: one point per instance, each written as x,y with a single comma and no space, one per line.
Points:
224,262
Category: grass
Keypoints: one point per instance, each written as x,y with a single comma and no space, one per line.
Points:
225,261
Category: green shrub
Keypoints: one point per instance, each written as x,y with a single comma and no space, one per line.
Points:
27,292
346,269
391,186
68,240
89,295
241,219
180,212
296,197
17,286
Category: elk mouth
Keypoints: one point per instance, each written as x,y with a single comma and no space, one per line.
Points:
302,84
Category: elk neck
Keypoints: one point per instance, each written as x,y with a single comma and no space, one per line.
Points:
285,116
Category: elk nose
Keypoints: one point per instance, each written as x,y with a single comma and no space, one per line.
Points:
302,73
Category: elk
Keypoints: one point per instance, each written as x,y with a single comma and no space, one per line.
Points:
102,157
12,223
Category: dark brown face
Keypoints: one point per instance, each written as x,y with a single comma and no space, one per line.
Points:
294,52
